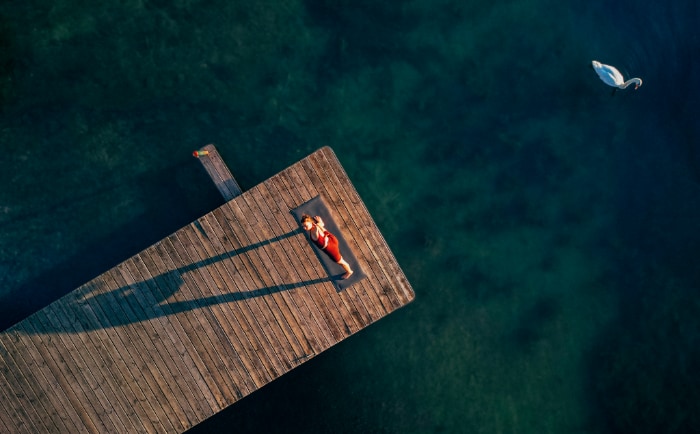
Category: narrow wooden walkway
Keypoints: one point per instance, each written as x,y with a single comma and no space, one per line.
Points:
201,319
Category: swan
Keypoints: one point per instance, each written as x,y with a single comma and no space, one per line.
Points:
612,77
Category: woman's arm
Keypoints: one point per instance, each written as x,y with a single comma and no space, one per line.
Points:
319,222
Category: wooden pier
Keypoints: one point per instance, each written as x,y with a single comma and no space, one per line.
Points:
202,318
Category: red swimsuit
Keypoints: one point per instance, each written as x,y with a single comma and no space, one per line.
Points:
327,242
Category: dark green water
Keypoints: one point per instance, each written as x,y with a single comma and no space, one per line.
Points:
548,228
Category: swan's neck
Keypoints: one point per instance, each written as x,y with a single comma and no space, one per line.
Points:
636,81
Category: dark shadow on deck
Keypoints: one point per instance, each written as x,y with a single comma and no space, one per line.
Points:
88,310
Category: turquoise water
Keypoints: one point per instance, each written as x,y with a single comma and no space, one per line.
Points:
548,228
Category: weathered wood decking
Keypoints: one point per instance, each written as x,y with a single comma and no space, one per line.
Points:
201,319
218,172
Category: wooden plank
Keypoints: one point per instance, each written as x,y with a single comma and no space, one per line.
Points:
60,366
119,311
14,417
248,337
7,422
310,330
278,274
99,311
186,327
18,401
243,382
76,408
218,172
187,308
255,284
159,333
206,324
226,382
90,348
80,374
178,345
234,225
58,318
31,383
123,367
251,335
217,339
87,359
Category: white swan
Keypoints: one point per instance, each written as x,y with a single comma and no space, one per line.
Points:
612,77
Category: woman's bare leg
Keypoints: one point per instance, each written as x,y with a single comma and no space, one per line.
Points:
348,271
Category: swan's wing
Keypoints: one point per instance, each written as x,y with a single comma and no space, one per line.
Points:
609,74
619,79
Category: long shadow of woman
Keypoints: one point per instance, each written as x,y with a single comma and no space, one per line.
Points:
129,304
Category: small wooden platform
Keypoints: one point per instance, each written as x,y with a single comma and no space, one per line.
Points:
201,319
218,172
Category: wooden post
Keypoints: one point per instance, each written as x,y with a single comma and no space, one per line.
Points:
218,172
